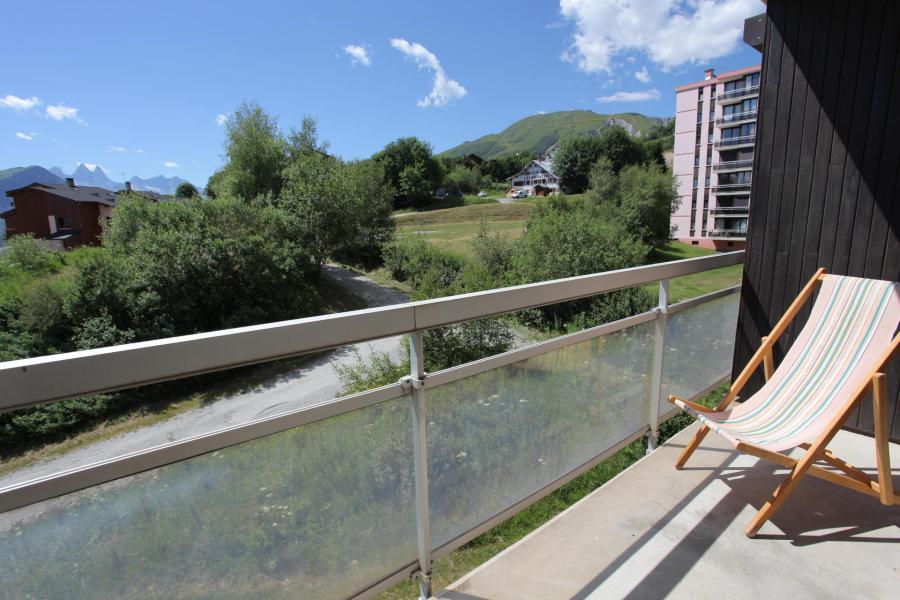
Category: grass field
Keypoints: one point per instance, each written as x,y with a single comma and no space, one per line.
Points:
691,286
454,228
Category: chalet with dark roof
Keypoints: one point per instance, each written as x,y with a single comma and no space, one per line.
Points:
64,214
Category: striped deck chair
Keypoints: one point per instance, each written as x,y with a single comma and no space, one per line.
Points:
838,357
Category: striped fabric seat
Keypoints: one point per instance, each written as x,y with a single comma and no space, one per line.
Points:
850,326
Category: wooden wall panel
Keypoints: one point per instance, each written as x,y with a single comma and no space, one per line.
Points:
825,175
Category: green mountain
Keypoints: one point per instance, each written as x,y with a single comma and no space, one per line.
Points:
535,134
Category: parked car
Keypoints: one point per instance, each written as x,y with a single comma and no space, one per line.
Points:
520,194
482,194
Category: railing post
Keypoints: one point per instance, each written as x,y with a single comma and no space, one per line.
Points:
659,351
423,535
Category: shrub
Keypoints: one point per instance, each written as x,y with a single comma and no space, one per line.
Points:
29,254
566,239
432,271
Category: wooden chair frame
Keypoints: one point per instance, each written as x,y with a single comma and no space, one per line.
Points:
850,477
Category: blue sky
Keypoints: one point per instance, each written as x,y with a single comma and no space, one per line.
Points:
137,86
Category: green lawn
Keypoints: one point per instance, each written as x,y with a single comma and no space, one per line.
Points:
454,228
691,286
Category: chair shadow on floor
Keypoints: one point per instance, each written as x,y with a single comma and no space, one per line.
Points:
817,512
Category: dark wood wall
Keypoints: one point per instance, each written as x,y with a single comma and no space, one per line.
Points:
825,174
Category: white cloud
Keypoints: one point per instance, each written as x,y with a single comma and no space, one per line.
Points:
443,89
139,150
118,148
643,75
668,32
359,55
24,136
631,96
58,112
221,119
541,112
16,103
169,164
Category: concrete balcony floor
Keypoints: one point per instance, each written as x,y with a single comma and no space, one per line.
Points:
654,532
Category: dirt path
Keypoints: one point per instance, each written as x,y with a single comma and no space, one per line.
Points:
311,383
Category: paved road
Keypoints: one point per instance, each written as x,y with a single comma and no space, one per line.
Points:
311,383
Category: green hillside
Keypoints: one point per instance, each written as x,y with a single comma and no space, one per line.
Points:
536,133
8,172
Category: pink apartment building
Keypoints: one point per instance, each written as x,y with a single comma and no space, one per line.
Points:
715,131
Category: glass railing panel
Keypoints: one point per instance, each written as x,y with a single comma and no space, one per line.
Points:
150,416
699,347
317,511
499,436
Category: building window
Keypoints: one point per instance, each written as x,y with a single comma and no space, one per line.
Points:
696,182
707,181
62,222
709,138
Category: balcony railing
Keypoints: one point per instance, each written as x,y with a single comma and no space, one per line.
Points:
731,211
731,188
728,233
749,115
735,142
738,93
348,497
734,165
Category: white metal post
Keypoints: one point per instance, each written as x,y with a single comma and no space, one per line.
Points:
659,351
417,374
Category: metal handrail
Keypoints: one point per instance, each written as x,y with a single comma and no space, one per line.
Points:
735,141
733,164
742,116
739,93
33,381
730,187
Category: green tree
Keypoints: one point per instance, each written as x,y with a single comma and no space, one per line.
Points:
186,189
411,171
575,156
368,213
214,184
466,180
621,148
306,139
648,197
175,268
256,154
501,169
317,194
641,198
573,160
564,239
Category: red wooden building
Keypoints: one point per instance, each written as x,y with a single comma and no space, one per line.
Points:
65,215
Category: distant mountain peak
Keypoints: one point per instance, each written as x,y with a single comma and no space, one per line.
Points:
90,174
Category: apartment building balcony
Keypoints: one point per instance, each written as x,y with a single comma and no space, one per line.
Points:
730,189
737,118
731,211
732,166
738,233
733,96
745,141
